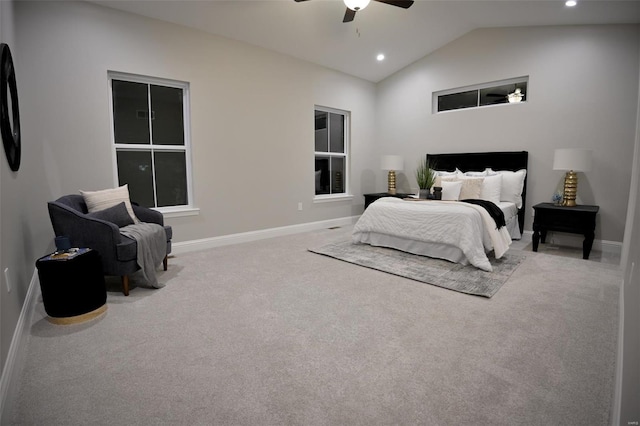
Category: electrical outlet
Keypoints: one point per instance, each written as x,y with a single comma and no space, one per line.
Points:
299,207
6,279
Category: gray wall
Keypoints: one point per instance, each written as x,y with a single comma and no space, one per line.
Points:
23,194
583,86
630,408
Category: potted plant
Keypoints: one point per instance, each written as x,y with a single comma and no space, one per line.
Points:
426,177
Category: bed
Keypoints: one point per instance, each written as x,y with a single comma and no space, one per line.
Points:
456,231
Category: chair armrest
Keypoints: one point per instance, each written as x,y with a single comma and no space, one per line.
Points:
148,215
85,231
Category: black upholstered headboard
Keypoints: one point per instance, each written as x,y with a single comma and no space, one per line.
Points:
478,161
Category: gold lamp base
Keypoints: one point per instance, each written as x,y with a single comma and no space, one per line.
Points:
392,182
570,189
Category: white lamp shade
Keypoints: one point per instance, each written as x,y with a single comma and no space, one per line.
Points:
391,162
576,159
356,4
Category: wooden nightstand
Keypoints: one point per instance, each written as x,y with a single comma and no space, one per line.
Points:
577,220
370,198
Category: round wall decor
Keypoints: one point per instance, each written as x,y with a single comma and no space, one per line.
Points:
9,111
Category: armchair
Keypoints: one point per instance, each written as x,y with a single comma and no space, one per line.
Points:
118,253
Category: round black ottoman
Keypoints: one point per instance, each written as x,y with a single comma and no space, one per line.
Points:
72,284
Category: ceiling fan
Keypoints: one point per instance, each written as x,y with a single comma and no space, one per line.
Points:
354,6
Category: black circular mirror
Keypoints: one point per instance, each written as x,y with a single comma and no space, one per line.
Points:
9,112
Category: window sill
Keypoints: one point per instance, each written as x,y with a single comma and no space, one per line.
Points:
178,211
332,198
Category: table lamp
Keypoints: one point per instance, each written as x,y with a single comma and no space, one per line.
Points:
572,160
392,163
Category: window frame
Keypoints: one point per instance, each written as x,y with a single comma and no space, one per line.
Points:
346,195
478,88
170,211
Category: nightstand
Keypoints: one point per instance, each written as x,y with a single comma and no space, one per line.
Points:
370,198
580,219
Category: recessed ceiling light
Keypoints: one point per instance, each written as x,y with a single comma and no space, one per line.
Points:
380,57
570,3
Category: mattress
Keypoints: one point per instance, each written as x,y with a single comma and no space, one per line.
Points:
450,230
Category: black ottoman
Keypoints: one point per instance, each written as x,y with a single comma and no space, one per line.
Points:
73,287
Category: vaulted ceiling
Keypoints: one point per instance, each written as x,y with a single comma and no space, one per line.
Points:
313,30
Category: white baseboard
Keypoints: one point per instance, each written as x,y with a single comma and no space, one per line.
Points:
616,404
15,359
575,241
244,237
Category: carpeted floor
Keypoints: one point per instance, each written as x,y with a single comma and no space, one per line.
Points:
267,333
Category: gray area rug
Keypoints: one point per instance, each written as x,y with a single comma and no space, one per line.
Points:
453,276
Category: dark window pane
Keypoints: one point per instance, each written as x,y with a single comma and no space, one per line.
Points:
336,133
322,136
130,112
337,175
499,94
322,175
171,178
458,100
134,168
167,118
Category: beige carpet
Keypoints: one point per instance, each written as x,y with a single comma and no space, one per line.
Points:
267,333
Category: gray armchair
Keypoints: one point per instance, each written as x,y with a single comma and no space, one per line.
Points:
118,253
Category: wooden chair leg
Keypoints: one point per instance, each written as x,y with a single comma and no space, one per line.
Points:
125,285
164,263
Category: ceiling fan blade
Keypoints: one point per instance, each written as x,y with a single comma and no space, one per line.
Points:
349,15
400,3
298,1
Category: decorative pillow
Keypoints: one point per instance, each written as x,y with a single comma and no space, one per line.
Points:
451,190
491,188
117,214
476,174
471,187
100,200
512,186
446,173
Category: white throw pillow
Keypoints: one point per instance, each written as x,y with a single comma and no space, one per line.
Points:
454,173
100,200
451,190
512,186
491,188
476,174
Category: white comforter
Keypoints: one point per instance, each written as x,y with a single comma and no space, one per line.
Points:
467,227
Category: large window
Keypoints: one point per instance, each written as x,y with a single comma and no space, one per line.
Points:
501,92
151,139
331,151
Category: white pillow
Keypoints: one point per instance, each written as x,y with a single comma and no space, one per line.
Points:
100,200
476,174
512,186
451,190
491,188
454,173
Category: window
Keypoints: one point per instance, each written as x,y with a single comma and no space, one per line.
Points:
501,92
151,139
331,151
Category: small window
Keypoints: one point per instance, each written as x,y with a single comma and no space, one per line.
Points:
331,151
151,142
502,92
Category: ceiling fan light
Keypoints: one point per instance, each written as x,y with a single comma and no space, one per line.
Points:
356,4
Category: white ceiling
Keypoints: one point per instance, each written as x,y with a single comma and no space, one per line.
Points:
313,30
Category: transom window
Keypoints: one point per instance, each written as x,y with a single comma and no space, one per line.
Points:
151,139
499,92
331,151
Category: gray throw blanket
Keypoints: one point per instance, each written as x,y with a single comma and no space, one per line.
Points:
152,248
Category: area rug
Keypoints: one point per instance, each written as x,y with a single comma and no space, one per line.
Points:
453,276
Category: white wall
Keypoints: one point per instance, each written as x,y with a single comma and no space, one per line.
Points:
583,88
251,113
